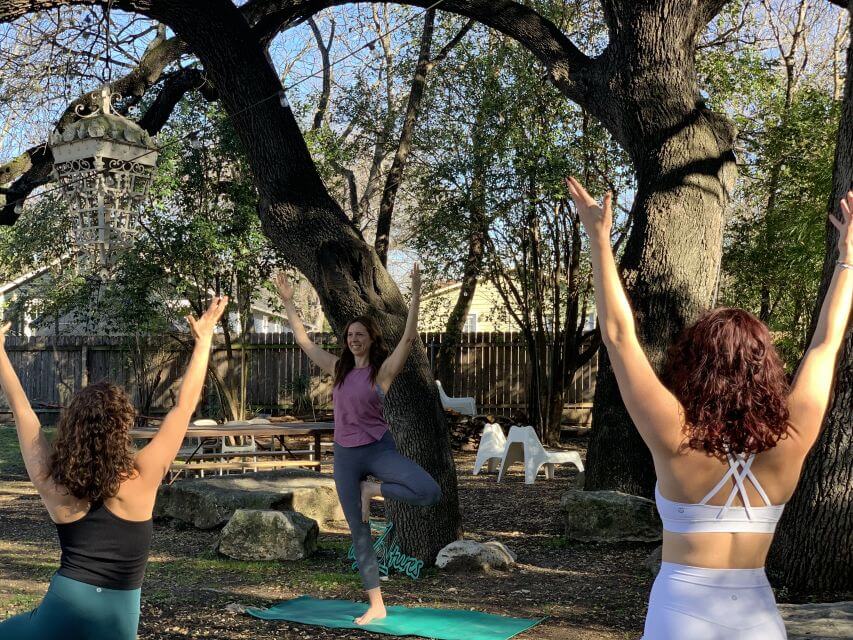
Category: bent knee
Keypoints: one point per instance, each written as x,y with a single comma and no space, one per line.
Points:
431,495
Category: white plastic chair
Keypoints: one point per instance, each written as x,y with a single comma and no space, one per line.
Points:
491,449
461,405
523,445
224,447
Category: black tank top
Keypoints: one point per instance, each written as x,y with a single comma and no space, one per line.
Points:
104,550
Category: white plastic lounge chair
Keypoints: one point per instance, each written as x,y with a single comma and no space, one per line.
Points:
523,445
491,449
461,405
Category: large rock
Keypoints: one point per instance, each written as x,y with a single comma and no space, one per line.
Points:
823,621
609,516
268,535
654,560
467,555
208,503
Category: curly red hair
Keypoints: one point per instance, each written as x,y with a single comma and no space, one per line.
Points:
93,451
730,380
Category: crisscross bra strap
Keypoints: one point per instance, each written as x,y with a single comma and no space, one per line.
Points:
739,469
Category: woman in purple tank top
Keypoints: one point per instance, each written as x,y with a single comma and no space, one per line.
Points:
363,442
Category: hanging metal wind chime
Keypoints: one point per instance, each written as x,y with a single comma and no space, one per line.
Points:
104,164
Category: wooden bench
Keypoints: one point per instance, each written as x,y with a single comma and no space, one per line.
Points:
245,454
200,467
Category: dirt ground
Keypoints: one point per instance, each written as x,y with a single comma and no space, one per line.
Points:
587,592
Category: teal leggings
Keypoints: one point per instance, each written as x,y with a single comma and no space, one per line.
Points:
73,610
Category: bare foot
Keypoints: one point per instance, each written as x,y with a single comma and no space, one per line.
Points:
374,612
369,491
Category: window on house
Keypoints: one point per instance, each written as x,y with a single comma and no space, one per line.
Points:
470,323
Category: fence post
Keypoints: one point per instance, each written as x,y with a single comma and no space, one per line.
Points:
84,365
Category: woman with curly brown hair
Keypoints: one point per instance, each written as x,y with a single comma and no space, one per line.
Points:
100,494
728,436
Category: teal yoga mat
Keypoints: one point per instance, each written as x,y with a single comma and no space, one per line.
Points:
440,624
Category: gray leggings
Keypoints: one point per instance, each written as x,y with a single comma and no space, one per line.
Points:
402,479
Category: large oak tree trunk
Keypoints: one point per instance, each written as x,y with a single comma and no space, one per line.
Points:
312,232
685,171
813,550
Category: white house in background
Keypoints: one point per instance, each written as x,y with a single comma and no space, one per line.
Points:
488,313
18,299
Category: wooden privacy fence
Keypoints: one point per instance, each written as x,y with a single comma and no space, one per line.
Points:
492,369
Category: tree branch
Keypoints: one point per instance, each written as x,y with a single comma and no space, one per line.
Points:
323,102
446,49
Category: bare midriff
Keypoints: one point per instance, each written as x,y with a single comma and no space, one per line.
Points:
717,550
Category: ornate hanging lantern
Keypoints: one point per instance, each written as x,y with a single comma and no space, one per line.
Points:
105,164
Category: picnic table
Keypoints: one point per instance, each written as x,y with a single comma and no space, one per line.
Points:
212,433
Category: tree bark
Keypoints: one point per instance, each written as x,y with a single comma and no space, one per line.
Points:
822,507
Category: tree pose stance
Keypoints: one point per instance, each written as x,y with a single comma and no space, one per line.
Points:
100,494
363,442
728,436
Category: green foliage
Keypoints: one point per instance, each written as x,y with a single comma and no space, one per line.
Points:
775,242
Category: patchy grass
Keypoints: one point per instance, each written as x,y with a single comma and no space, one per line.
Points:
11,463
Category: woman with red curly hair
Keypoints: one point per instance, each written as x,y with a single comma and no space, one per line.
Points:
728,436
100,494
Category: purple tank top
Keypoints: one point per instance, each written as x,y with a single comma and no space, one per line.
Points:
358,410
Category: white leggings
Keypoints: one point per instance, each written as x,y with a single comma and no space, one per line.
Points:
694,603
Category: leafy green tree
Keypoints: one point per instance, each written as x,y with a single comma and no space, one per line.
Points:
492,207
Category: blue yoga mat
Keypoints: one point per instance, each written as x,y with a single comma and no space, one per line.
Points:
440,624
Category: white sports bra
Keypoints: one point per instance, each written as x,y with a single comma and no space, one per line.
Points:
679,517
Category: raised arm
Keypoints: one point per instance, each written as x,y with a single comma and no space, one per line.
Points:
154,460
322,358
653,408
394,363
812,384
35,449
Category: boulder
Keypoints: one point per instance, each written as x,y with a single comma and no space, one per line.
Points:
609,516
654,560
207,503
253,534
467,555
818,621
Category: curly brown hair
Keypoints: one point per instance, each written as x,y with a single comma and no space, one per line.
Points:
93,451
730,379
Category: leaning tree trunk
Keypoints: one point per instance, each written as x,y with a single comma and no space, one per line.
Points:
314,235
822,507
